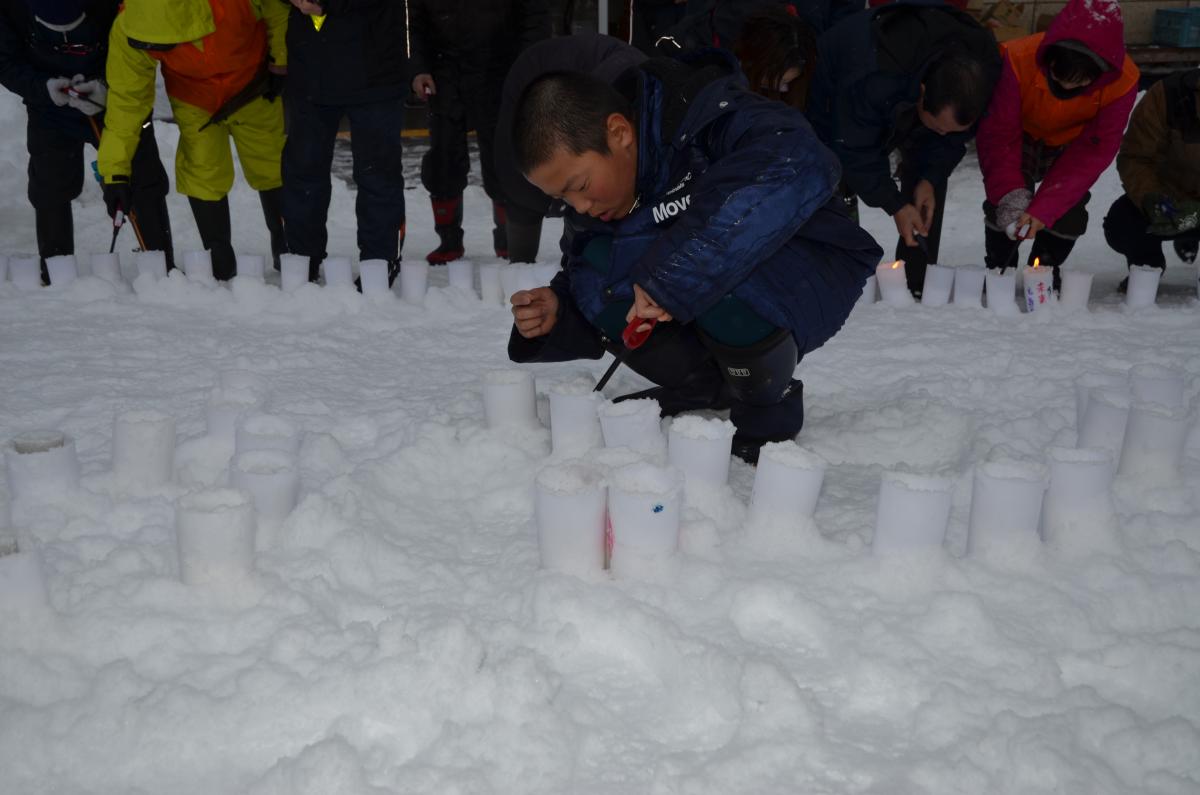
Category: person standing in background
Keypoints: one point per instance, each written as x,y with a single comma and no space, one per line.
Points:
461,52
347,60
223,63
52,55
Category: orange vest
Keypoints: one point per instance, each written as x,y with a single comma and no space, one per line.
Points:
1046,118
209,72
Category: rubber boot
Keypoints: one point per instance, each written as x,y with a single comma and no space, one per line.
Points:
524,239
447,222
154,226
1186,249
1052,250
212,221
55,233
684,370
768,404
272,207
499,229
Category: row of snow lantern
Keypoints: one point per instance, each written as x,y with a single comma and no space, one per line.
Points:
216,529
619,507
496,280
964,286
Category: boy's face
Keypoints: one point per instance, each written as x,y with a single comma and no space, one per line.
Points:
600,185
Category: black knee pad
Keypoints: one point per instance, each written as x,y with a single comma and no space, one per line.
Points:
759,374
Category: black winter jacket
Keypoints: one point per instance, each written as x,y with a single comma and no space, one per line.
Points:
863,97
357,56
474,37
31,54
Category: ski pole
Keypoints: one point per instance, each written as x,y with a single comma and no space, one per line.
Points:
633,340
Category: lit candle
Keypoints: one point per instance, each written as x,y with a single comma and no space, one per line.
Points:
1039,292
893,283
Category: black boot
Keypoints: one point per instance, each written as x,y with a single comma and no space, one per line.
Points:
447,222
1186,248
55,233
768,404
999,250
154,226
272,207
523,240
1051,250
674,358
212,221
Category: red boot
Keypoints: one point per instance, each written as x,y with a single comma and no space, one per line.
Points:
447,222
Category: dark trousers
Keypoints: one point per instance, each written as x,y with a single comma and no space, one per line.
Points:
1125,230
56,173
915,258
1052,244
461,104
376,145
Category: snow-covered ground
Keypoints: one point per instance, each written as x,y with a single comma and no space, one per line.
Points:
400,637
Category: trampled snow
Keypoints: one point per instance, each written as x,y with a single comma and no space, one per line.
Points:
398,635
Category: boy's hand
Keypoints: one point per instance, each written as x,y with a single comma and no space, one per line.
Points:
909,224
925,202
534,311
423,85
645,307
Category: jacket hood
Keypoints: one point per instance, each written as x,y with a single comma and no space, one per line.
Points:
1097,25
171,22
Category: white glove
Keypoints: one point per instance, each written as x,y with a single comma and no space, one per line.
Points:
96,93
56,87
1011,206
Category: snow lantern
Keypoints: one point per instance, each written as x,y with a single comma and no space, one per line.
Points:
968,285
271,479
1155,436
643,507
63,269
913,513
251,266
1104,420
570,511
509,398
1158,384
787,483
293,272
1001,291
339,272
1039,286
153,263
3,267
461,273
1076,290
1077,513
1142,288
144,447
197,266
870,291
25,272
1006,505
1084,385
215,532
635,424
700,448
40,466
22,581
414,280
491,289
226,408
939,281
574,422
257,431
373,275
893,283
107,267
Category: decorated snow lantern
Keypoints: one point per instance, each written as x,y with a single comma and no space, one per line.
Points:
644,506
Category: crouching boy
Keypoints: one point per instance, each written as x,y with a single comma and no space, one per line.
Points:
704,207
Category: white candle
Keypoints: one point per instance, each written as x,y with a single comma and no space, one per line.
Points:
1039,287
893,283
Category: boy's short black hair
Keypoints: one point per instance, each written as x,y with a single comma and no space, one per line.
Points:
960,81
1070,61
567,110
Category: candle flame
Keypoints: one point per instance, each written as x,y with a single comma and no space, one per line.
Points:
895,264
1037,261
